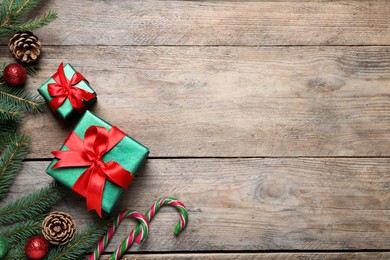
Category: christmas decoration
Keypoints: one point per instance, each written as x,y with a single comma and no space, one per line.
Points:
81,243
22,218
14,149
36,247
15,102
25,46
32,205
68,92
58,228
17,236
14,74
121,250
4,247
139,237
97,161
13,17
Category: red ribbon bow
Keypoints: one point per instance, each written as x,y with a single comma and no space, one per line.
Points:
64,89
97,142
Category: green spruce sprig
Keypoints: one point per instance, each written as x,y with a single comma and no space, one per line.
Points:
14,102
20,232
11,159
9,112
21,99
35,23
16,252
83,241
7,127
12,14
32,205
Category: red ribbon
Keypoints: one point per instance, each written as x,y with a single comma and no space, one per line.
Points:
64,89
97,142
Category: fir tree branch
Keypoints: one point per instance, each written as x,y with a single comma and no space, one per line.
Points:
11,14
16,8
16,253
11,160
21,99
7,128
31,205
22,6
32,69
20,232
81,243
33,24
9,112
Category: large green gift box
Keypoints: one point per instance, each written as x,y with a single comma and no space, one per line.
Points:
68,93
125,153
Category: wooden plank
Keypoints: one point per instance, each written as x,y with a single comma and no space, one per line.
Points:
266,256
249,23
232,102
252,204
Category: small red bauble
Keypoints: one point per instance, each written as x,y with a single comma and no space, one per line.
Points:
36,247
14,74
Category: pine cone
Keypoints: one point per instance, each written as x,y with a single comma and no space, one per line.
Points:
25,46
58,228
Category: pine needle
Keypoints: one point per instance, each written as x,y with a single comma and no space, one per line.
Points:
11,10
20,232
33,24
19,7
32,69
21,99
81,243
7,128
32,205
17,253
9,112
2,66
11,160
12,13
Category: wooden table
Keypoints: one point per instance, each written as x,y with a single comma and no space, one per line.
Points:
270,120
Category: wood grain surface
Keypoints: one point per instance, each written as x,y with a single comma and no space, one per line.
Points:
266,256
232,102
252,204
269,119
238,23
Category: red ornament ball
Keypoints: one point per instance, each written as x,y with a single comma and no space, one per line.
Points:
36,247
14,74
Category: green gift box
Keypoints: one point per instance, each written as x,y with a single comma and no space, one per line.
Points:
67,92
125,152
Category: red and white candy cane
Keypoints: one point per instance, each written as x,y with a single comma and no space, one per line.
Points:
121,250
142,232
171,202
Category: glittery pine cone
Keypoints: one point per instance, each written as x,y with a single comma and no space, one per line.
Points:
58,228
25,46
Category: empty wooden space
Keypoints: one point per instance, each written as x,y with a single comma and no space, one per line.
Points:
269,119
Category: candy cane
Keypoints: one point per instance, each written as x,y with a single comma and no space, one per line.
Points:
171,202
142,232
121,250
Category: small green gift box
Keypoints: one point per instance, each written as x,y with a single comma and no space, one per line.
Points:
67,92
97,161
